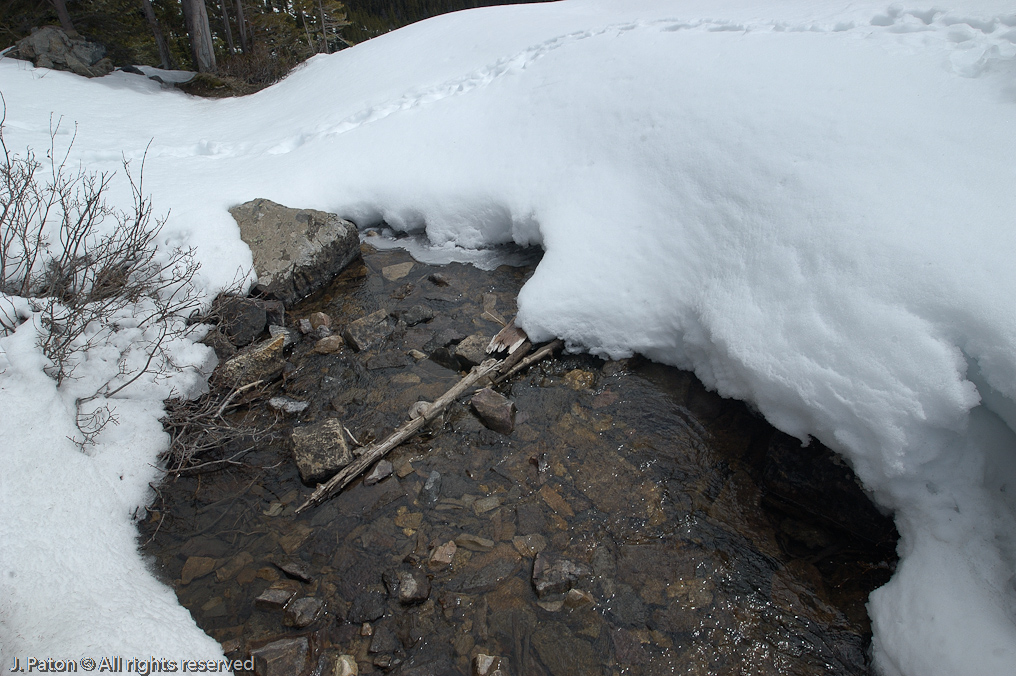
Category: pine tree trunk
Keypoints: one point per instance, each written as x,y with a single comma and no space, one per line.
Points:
225,23
241,23
324,27
196,16
160,40
61,11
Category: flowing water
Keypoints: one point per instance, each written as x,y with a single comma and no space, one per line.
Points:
699,539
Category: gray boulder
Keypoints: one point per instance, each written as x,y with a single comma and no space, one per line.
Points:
320,450
296,251
51,47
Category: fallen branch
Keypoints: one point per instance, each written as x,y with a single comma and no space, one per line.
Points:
375,452
543,352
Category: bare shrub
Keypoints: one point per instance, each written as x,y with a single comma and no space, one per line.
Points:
86,271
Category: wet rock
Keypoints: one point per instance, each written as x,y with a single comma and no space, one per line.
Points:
288,337
564,653
237,563
51,47
320,450
576,598
303,612
529,545
196,567
495,410
387,360
285,657
384,640
438,279
485,571
240,319
277,596
442,339
329,345
367,606
555,575
287,405
261,361
304,326
472,350
218,341
382,470
406,519
383,662
577,379
442,555
474,543
416,315
431,489
368,331
295,251
484,505
413,587
298,570
627,647
530,518
344,665
397,271
555,501
203,545
626,608
488,665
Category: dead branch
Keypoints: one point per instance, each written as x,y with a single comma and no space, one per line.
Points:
375,452
543,352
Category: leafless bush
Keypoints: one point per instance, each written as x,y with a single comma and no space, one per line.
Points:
86,270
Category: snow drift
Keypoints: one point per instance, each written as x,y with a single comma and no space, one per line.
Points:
810,206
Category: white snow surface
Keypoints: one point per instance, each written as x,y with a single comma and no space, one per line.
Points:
809,204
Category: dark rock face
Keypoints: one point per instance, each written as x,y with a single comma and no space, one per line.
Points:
296,251
320,450
285,657
51,47
240,319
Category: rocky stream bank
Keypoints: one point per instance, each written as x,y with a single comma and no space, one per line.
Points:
626,521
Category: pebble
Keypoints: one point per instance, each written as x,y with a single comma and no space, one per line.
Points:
287,405
431,489
442,555
303,612
382,470
329,344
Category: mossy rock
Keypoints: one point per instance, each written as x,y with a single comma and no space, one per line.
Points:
213,86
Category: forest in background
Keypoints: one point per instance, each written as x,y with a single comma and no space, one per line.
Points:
255,41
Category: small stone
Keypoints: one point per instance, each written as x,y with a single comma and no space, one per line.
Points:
405,469
554,575
303,612
284,657
387,360
474,543
495,410
368,331
417,355
442,555
397,271
431,489
406,519
296,569
438,279
287,405
384,640
366,629
233,566
576,598
414,587
488,665
196,567
319,319
484,505
215,607
277,596
262,361
383,661
288,337
551,606
417,315
382,470
320,450
472,350
329,345
304,326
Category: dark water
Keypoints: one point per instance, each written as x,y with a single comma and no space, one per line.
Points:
706,542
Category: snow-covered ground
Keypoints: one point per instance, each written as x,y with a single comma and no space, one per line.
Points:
810,204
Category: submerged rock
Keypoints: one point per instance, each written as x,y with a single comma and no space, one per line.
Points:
495,410
368,331
284,657
303,612
296,251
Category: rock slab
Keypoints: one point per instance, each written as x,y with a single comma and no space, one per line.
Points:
296,251
51,47
284,657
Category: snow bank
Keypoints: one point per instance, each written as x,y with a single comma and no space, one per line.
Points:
809,205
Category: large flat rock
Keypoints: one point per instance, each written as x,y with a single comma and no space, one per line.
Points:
296,251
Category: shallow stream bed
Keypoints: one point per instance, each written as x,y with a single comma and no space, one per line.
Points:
686,535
